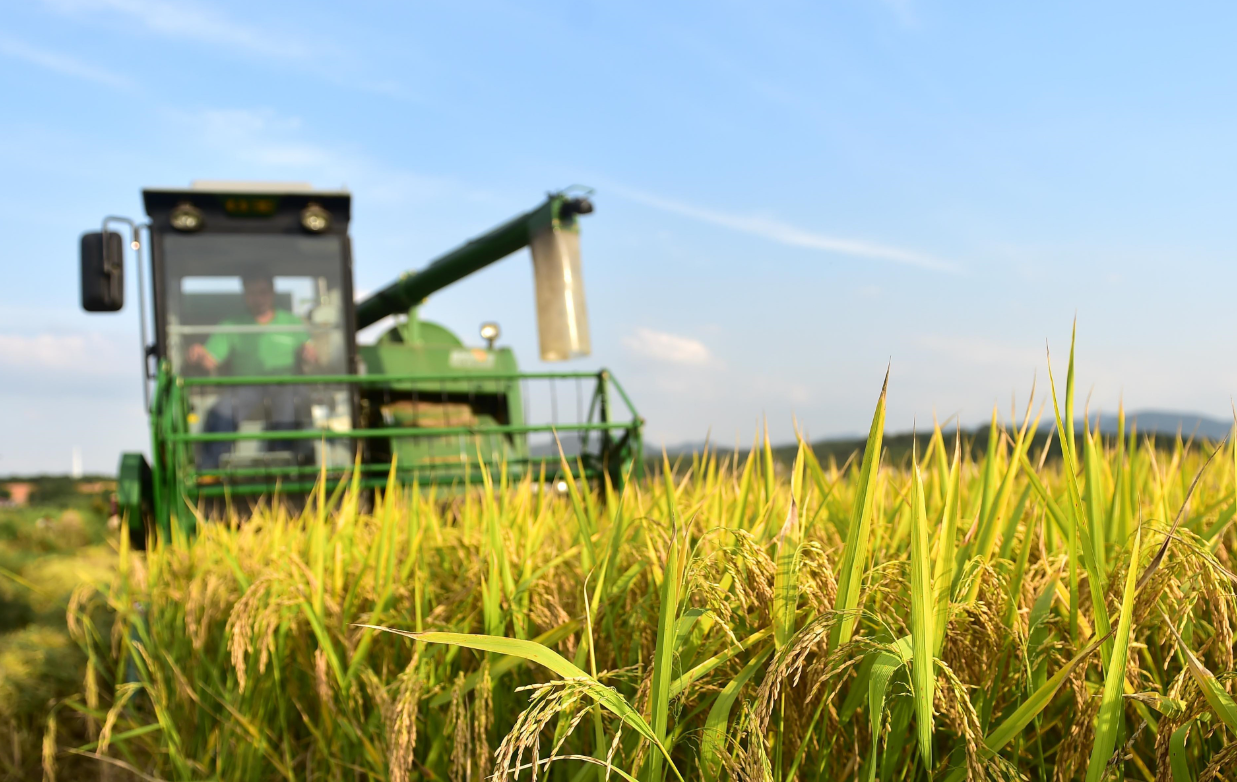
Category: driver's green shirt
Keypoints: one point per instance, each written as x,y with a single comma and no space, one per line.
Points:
260,353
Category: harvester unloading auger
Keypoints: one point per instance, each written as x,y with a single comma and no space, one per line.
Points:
257,388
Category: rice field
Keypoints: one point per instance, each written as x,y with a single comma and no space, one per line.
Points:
46,550
1051,613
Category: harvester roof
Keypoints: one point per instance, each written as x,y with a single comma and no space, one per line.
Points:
248,207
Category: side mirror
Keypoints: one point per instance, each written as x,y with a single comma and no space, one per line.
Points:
103,272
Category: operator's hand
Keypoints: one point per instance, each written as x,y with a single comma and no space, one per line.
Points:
309,354
201,356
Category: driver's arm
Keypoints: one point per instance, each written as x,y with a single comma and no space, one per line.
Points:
199,355
309,354
210,355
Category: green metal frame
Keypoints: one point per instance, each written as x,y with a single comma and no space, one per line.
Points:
173,487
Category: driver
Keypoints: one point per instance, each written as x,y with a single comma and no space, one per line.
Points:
254,353
275,352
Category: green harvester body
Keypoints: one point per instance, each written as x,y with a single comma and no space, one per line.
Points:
417,402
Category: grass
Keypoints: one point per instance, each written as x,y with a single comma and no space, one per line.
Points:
958,613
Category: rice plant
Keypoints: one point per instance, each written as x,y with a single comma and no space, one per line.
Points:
1012,614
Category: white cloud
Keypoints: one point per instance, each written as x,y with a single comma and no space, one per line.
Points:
203,23
187,20
669,348
784,233
62,64
87,354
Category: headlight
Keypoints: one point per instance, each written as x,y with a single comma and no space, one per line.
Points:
315,219
490,332
187,217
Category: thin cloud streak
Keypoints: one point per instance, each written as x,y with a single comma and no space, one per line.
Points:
61,63
784,233
192,21
188,20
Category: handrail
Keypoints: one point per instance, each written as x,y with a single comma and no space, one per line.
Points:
260,380
370,380
244,328
395,431
278,471
378,482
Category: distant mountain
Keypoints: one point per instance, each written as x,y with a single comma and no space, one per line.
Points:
1162,423
1166,422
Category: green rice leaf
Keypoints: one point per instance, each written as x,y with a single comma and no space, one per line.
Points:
995,513
1032,706
943,575
1177,754
768,466
786,578
713,739
1110,721
502,665
1080,540
745,486
923,637
589,555
688,677
883,668
855,552
665,653
1219,700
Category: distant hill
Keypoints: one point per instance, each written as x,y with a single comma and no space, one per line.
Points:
1169,423
1159,424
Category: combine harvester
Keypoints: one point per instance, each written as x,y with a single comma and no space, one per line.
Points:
256,386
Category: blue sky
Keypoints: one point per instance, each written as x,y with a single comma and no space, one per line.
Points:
789,195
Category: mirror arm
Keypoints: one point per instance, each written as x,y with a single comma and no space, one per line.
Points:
135,243
148,347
